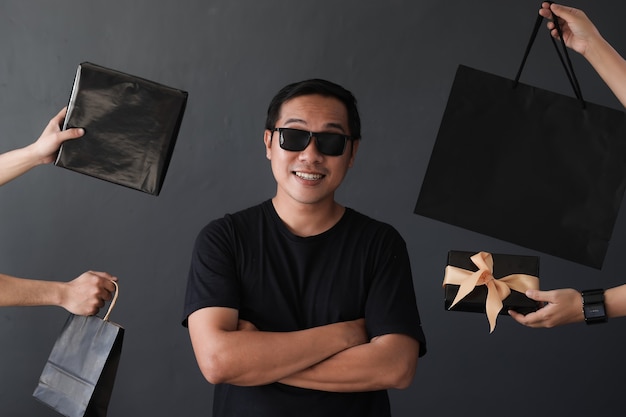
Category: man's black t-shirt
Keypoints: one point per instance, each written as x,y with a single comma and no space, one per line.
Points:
278,281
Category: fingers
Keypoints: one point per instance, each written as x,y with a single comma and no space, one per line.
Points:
567,14
47,145
72,133
562,306
89,292
560,10
558,296
107,288
104,275
58,119
545,10
90,310
104,293
518,317
543,296
534,295
537,318
534,320
55,124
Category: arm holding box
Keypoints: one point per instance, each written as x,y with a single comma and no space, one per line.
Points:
565,306
43,151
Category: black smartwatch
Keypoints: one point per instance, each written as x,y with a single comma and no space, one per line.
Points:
593,306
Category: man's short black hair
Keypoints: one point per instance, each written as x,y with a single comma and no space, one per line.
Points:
323,88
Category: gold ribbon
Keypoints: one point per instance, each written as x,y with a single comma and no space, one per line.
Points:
497,289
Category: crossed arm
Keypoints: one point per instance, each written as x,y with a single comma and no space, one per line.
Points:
335,357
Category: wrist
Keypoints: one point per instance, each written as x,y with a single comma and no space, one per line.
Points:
58,293
33,157
597,50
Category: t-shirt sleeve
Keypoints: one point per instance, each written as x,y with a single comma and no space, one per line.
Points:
212,279
391,305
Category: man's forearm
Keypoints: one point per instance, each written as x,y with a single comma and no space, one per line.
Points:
388,361
250,358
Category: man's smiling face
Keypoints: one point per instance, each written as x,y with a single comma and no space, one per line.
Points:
308,176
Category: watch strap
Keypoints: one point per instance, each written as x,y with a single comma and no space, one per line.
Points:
593,306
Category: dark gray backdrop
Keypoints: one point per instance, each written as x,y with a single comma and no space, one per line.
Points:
399,58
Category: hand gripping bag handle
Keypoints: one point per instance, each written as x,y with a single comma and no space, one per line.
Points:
568,67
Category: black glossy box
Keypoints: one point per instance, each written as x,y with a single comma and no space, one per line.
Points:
131,126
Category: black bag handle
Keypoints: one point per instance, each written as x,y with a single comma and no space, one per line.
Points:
568,67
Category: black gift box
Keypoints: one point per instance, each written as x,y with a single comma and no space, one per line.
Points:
503,265
131,126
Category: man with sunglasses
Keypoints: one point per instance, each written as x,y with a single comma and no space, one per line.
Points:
301,306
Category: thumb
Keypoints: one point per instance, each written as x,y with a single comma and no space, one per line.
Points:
538,295
557,8
563,12
72,133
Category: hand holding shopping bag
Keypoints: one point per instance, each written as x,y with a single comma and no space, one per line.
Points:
78,377
526,165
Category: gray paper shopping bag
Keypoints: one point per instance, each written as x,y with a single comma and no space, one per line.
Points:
78,377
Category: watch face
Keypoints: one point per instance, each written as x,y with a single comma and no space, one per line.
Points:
594,311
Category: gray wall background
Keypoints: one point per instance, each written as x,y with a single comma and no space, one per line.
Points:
399,58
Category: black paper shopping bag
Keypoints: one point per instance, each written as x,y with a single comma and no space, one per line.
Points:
78,377
131,126
526,165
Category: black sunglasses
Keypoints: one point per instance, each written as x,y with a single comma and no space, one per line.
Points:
296,140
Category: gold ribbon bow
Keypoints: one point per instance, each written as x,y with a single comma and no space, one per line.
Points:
497,289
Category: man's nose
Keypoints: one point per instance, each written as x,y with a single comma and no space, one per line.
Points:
311,152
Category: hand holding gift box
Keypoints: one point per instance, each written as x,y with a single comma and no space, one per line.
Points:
475,282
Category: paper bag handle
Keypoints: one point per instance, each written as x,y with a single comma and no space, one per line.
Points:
569,68
117,290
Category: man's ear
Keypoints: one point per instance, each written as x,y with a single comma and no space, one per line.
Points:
267,139
353,149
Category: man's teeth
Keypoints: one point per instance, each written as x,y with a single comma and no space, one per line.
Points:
310,177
